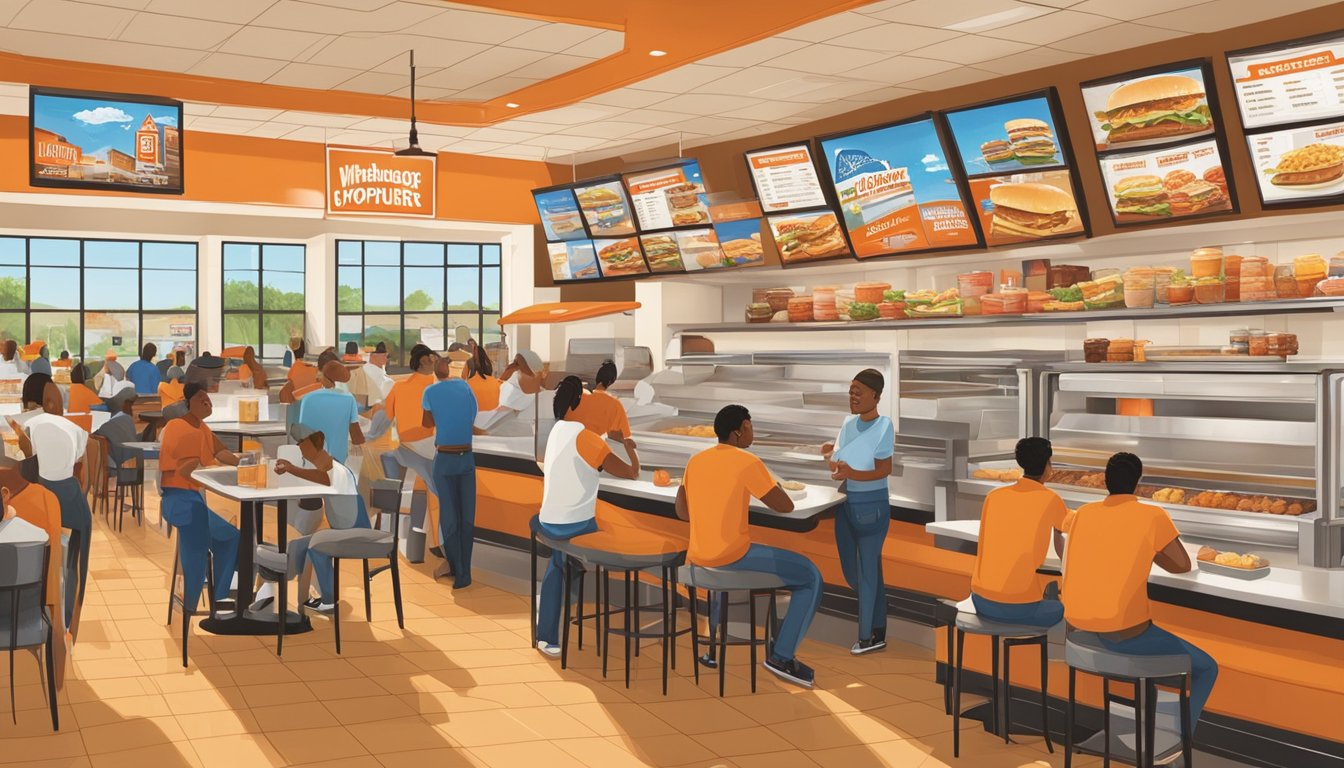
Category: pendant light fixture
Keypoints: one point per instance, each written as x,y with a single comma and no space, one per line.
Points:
414,149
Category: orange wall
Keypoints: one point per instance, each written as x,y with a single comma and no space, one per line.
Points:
239,169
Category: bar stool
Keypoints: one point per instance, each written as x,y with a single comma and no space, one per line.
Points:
541,539
1011,636
723,582
1085,651
180,602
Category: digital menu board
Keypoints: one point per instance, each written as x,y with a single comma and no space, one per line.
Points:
573,260
1169,183
785,178
559,213
1150,108
110,141
668,197
621,257
1006,136
1299,165
1026,207
605,207
1293,82
895,190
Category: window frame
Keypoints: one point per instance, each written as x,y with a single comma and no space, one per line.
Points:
260,312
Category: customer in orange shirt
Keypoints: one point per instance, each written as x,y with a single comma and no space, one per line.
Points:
302,374
82,397
601,412
715,496
1112,546
1016,523
480,377
170,391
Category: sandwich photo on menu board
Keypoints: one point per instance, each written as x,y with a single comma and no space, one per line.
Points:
741,242
573,260
896,190
619,258
559,213
786,178
1149,110
606,209
699,249
1025,207
1299,164
1165,184
1006,136
668,197
1290,82
802,237
662,252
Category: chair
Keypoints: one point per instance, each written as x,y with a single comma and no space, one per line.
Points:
25,621
365,544
1010,636
1084,651
96,473
538,536
723,582
180,600
130,476
281,567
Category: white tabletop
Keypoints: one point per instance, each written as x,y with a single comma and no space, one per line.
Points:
819,498
224,481
1288,585
258,428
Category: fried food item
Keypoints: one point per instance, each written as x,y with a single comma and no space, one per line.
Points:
1170,495
1232,559
697,430
792,485
1001,475
1207,554
662,478
1228,558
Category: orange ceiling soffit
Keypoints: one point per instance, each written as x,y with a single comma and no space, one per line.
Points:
689,31
566,312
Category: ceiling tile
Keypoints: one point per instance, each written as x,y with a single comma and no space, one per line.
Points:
364,139
1117,37
214,124
555,64
473,147
486,65
682,79
302,17
1026,61
134,5
318,119
445,131
9,9
767,110
942,13
826,59
115,52
953,78
876,8
94,20
755,53
1132,9
840,90
383,125
572,115
192,109
573,143
271,43
1059,3
821,111
388,53
714,125
353,5
311,76
153,29
494,88
553,38
1211,17
606,43
652,117
880,95
471,26
604,130
501,135
703,103
232,11
234,67
894,38
307,133
629,98
1050,27
746,82
971,49
899,69
520,152
246,113
824,29
377,83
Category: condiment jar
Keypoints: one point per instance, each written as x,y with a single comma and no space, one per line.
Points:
1206,262
1140,290
1258,344
1239,338
1161,281
1285,285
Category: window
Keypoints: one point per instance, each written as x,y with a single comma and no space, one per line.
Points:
263,296
403,293
90,296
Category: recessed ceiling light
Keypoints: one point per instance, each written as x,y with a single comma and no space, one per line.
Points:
657,52
511,105
996,20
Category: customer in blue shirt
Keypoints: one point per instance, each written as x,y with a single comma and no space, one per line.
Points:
333,412
861,457
143,373
450,410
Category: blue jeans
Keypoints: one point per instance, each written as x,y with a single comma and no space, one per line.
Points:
201,531
860,529
1156,641
803,581
455,480
1042,613
552,584
322,565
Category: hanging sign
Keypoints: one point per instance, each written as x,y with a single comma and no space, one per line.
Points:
373,182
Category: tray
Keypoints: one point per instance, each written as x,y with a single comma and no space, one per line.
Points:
1205,355
1245,574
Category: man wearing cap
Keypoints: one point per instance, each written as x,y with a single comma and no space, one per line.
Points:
187,444
450,410
333,412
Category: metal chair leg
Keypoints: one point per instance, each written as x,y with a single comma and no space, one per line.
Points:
672,614
336,597
751,601
628,632
956,693
667,621
51,679
282,612
634,599
723,640
606,623
1187,738
582,573
1045,696
1068,718
368,598
532,604
1007,686
695,633
1150,721
396,590
997,708
1140,726
1106,722
947,679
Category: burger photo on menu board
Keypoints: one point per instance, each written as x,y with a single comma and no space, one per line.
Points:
1015,133
605,208
1171,183
1149,110
1032,140
808,236
1141,195
620,257
662,252
1030,210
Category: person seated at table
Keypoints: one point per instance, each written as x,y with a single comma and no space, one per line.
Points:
82,397
59,444
450,410
344,509
599,411
715,496
206,370
143,374
112,379
176,357
170,390
480,377
35,505
186,445
250,372
352,353
333,412
120,429
41,363
375,375
1112,546
575,459
1016,525
10,361
302,374
64,360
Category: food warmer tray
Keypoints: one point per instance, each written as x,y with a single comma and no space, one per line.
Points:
1247,574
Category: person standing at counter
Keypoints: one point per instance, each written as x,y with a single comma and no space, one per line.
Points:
143,374
480,377
450,410
1015,528
601,412
715,496
64,360
333,412
1112,546
575,460
82,397
861,458
187,444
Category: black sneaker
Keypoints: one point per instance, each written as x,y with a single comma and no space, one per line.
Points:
709,661
317,606
880,634
793,670
868,646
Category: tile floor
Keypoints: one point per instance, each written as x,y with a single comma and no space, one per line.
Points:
460,687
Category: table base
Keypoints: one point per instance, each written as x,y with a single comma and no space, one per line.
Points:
257,623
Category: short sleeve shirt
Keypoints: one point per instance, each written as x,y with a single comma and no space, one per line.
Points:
180,442
861,444
404,405
331,412
454,409
1015,526
720,483
601,413
1111,548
